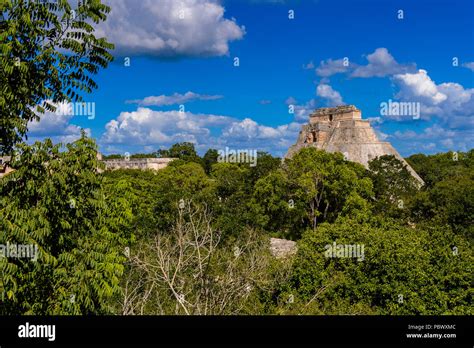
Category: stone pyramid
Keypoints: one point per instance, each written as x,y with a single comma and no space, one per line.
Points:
342,129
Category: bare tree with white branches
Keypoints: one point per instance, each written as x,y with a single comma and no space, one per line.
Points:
190,271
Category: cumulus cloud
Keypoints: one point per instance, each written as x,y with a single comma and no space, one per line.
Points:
331,67
251,134
331,96
173,99
55,126
433,132
301,111
381,63
436,138
420,86
375,120
469,65
145,127
449,101
249,129
170,28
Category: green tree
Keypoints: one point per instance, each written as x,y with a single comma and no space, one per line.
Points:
49,54
448,202
324,182
209,159
401,270
266,164
177,185
112,156
434,168
275,207
138,187
448,195
393,183
55,201
184,151
233,195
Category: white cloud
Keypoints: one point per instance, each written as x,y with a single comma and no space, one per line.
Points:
375,120
449,101
169,28
436,139
331,67
250,134
146,128
173,99
301,111
55,126
420,86
433,132
381,63
469,65
326,92
249,129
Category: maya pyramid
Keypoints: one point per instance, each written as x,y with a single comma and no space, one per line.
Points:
342,129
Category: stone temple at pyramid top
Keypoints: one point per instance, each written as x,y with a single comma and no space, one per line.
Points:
342,129
345,112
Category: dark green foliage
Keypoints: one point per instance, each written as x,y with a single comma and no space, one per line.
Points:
435,168
448,197
327,185
403,271
113,156
265,165
130,185
56,202
48,55
393,184
418,254
184,151
209,159
233,195
276,208
179,184
448,202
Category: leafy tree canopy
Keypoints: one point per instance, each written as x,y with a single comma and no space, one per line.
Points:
55,202
400,270
48,55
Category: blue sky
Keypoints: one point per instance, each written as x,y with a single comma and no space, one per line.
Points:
182,54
